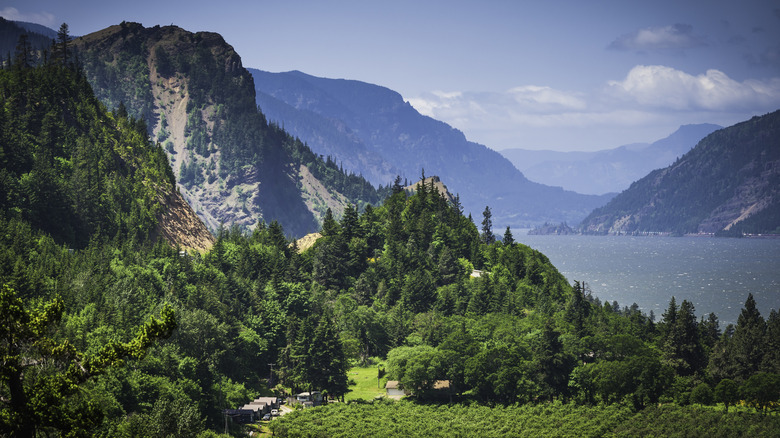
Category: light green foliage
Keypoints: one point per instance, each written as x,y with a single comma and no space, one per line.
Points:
762,391
41,375
387,419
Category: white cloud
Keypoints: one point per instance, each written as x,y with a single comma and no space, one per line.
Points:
678,36
13,14
528,98
664,87
549,97
649,103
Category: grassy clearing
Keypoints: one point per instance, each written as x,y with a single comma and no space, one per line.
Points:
365,386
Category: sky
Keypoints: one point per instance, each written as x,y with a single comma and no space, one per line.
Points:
557,74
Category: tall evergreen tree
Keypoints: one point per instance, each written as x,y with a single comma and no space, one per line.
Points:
487,226
552,364
688,348
747,343
328,364
329,225
508,240
63,39
771,361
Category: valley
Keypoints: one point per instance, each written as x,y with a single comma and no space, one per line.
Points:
153,278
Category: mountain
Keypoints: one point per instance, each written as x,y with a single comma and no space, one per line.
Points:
80,174
39,29
193,93
37,37
609,170
729,183
374,132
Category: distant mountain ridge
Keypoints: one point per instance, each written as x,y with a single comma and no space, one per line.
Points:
609,170
728,184
38,37
375,133
37,28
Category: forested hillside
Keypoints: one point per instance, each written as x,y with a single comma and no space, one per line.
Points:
198,101
75,171
728,184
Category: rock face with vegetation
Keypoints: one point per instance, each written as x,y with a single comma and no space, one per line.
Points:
198,101
74,170
728,184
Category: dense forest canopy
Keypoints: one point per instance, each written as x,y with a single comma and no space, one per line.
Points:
105,331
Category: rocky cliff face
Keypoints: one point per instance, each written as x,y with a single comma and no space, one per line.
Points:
194,94
729,183
180,226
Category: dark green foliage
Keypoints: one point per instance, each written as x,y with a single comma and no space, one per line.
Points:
63,156
762,391
743,351
702,394
727,392
681,342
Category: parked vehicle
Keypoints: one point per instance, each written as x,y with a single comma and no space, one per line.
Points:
275,412
267,417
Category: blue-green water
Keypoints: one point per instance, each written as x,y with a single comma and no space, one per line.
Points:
715,274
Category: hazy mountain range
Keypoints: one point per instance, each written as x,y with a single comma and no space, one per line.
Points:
728,184
609,170
316,140
374,132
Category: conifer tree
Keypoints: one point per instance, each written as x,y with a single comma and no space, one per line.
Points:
747,343
487,227
328,363
771,361
63,38
508,240
329,225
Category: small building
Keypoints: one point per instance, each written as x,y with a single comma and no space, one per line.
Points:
309,399
394,388
241,416
258,407
441,385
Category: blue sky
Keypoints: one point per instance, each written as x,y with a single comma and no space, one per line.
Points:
561,75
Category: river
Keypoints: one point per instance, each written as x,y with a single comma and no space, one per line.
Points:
715,274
